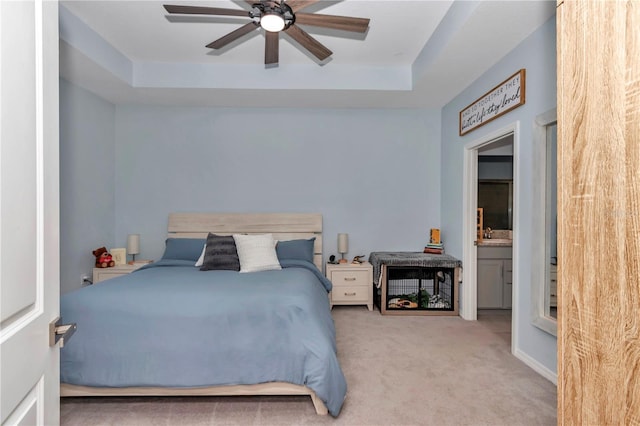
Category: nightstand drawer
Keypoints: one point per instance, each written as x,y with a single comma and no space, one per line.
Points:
102,274
553,291
349,278
350,293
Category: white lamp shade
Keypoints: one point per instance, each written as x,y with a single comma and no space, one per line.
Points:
133,243
343,243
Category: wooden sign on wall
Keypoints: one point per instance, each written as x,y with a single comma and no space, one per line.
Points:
498,101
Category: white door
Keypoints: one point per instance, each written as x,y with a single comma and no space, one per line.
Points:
29,212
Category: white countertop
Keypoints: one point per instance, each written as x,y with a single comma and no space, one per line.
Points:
495,242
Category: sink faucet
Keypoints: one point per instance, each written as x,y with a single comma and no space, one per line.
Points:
487,233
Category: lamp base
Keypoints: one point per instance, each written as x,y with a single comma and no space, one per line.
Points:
342,261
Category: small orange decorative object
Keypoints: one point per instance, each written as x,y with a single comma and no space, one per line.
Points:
434,236
103,258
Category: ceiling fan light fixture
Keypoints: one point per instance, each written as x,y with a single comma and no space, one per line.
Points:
272,22
275,16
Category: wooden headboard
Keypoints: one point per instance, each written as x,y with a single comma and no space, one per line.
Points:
283,226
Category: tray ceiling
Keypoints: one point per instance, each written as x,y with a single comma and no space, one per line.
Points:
415,53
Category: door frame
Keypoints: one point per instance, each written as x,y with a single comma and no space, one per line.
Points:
540,253
469,308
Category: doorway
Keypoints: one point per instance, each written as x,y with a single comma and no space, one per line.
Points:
494,242
469,306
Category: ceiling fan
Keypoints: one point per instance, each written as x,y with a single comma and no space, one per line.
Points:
276,16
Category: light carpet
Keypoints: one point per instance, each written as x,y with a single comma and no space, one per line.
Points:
409,370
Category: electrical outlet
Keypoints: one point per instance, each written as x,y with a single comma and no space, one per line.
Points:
85,279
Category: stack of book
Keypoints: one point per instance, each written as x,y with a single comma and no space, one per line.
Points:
434,248
435,243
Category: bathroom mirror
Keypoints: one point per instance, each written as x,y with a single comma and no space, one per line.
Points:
495,197
544,260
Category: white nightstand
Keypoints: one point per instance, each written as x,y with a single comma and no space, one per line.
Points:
352,284
101,274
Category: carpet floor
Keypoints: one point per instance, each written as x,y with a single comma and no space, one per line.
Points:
407,370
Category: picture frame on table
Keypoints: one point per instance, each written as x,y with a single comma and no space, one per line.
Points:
119,256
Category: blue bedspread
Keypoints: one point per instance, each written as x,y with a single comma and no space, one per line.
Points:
172,325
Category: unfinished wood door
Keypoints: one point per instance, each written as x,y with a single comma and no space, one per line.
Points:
599,212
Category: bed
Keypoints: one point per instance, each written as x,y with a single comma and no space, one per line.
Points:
171,329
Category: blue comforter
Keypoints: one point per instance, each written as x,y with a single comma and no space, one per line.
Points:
171,325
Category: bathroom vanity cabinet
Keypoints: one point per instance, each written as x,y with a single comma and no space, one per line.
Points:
494,277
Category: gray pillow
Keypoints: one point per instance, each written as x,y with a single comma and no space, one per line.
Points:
183,248
220,253
296,249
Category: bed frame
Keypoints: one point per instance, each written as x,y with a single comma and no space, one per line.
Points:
283,226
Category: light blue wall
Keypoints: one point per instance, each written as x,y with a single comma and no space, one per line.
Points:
87,179
374,174
538,55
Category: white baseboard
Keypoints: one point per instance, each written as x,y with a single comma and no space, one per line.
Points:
536,366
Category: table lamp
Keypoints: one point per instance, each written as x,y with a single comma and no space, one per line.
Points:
133,246
343,246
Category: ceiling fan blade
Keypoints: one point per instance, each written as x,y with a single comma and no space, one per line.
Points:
345,23
271,48
233,35
297,5
200,10
311,44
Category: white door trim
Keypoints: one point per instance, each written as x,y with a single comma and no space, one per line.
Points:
469,292
541,242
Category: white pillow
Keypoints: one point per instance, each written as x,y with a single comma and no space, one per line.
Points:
200,260
256,252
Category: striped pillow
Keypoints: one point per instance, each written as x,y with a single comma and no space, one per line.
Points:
220,253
